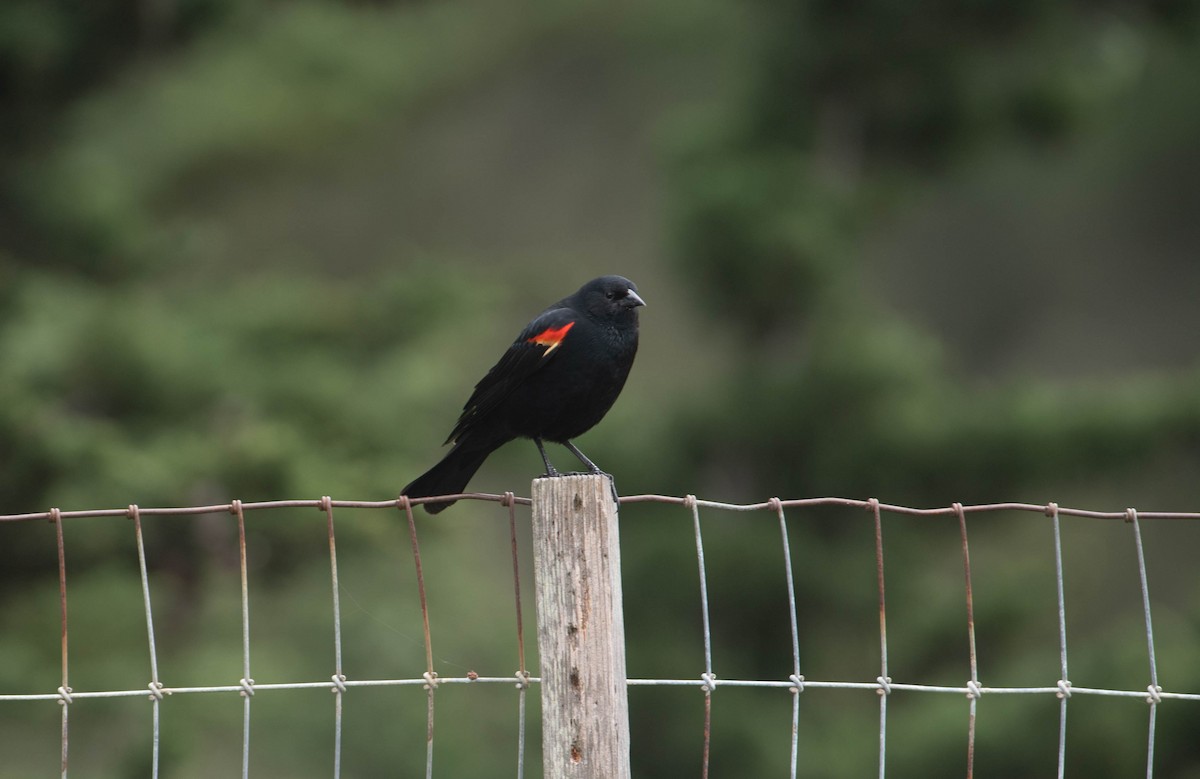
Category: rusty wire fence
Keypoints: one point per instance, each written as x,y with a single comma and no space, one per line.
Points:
791,681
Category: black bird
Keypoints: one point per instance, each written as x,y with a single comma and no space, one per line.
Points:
559,378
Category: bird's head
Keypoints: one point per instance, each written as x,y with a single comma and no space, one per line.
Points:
610,297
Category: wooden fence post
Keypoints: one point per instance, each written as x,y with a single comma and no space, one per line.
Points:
581,629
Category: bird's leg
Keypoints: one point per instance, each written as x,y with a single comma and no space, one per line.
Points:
592,468
550,469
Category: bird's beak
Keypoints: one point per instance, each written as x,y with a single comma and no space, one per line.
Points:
633,300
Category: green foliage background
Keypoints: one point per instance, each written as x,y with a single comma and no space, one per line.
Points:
933,251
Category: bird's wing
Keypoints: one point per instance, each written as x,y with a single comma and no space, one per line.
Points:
534,347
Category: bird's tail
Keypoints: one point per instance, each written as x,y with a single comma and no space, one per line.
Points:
451,475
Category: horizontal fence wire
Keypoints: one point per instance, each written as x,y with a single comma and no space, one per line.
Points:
705,680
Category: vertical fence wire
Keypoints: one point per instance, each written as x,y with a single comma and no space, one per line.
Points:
156,687
709,680
796,678
247,683
431,678
1064,685
1154,690
64,690
884,681
973,687
339,678
522,674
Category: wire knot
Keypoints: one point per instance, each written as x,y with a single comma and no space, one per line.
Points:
247,688
64,696
431,680
775,504
1051,509
884,682
403,503
708,681
55,515
339,683
522,680
508,499
1155,696
133,512
797,681
1131,515
157,691
325,504
974,691
235,507
1064,689
689,502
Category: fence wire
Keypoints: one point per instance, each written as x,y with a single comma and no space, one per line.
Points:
706,679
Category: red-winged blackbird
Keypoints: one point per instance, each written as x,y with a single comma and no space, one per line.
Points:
558,379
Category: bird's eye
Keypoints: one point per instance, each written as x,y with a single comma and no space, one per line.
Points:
610,294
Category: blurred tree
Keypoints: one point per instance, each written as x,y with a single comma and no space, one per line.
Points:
152,352
854,107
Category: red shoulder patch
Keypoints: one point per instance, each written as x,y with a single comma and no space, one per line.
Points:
551,337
